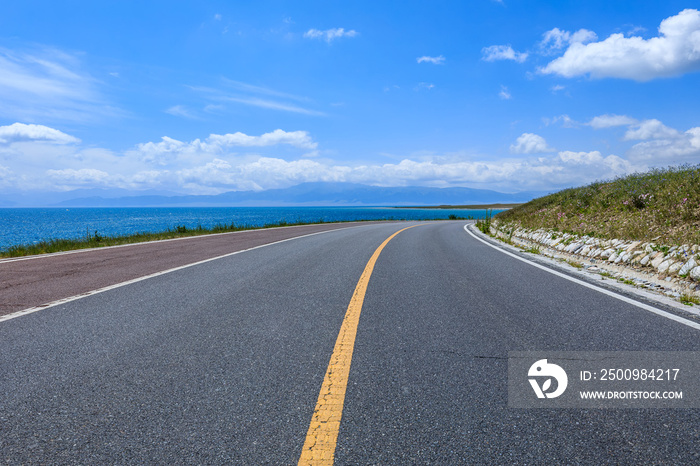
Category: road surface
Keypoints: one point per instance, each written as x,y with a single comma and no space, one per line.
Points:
223,362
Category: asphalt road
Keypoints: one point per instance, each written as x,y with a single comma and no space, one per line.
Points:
222,362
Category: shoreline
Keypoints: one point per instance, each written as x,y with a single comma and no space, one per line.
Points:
464,207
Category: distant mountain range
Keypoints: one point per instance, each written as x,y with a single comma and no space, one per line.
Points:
305,194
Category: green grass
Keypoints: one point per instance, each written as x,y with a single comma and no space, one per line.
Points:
689,300
662,205
484,224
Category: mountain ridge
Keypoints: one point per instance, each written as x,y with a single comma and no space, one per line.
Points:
304,194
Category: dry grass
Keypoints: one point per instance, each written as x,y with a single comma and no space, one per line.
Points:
662,205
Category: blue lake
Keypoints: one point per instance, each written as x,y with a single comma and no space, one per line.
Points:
31,225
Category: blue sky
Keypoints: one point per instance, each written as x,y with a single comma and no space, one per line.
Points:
212,96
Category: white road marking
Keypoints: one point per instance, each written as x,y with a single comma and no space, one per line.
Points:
104,248
646,307
41,307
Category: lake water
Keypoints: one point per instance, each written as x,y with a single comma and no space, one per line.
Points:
27,226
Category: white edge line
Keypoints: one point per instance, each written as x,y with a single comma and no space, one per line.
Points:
646,307
140,243
41,307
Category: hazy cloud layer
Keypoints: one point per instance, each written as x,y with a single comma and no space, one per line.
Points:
51,159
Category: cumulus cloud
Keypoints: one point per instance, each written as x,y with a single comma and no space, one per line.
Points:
329,35
562,169
167,150
529,143
439,60
502,52
300,139
556,39
650,129
675,51
18,132
661,144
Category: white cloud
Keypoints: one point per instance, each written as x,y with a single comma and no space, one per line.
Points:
556,39
674,52
169,150
439,60
563,169
209,166
502,52
529,143
300,139
650,129
661,144
19,132
505,93
609,121
329,35
664,146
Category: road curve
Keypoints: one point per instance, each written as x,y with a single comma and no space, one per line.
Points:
222,362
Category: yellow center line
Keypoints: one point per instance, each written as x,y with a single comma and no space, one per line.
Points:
322,437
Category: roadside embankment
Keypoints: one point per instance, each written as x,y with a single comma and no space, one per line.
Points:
672,270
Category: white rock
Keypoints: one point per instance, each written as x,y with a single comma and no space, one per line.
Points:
632,246
613,257
645,260
664,265
657,260
585,250
695,273
607,253
675,267
687,267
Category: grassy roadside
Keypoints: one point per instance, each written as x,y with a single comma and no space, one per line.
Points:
662,205
468,206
